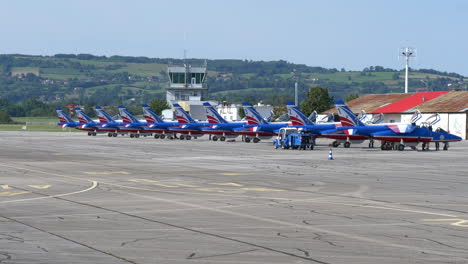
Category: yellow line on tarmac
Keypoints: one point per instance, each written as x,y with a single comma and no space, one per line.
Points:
313,200
12,193
94,185
227,184
237,173
40,186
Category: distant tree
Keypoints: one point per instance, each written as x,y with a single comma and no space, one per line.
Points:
318,100
352,97
396,76
241,112
5,118
279,111
158,105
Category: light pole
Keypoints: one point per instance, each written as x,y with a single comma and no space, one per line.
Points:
407,53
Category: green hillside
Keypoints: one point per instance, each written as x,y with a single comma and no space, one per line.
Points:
87,79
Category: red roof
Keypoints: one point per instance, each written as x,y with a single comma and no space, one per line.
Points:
409,102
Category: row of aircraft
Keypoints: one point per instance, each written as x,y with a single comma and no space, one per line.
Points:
350,130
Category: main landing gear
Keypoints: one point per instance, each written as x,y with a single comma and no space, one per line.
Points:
92,133
221,138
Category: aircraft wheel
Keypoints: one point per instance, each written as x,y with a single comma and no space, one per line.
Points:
109,134
223,138
256,140
214,138
89,133
114,134
181,137
188,137
446,146
171,137
162,136
347,144
335,144
132,135
156,136
94,133
401,147
247,140
137,135
311,147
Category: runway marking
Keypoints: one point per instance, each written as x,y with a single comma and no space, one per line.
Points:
5,187
237,173
285,223
40,186
187,185
456,221
94,185
153,182
105,172
12,193
263,189
227,184
220,190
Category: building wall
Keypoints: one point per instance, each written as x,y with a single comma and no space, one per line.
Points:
229,112
394,118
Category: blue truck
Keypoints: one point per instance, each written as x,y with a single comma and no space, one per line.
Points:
292,138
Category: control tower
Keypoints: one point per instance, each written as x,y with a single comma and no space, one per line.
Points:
186,83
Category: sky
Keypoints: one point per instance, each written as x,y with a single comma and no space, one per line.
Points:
330,33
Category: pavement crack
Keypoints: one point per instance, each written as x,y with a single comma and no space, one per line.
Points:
342,216
11,238
5,255
281,235
43,249
136,240
191,256
306,253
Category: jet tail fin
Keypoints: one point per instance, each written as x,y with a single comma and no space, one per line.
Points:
347,117
296,116
62,116
212,115
103,116
150,115
252,115
127,117
181,115
82,116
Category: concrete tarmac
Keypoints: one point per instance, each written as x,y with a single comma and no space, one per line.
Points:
71,198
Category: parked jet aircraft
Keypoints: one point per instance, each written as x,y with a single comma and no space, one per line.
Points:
131,124
301,121
219,127
257,128
65,120
188,127
89,125
156,125
391,135
108,122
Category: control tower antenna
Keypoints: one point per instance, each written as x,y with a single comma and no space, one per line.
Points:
407,53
